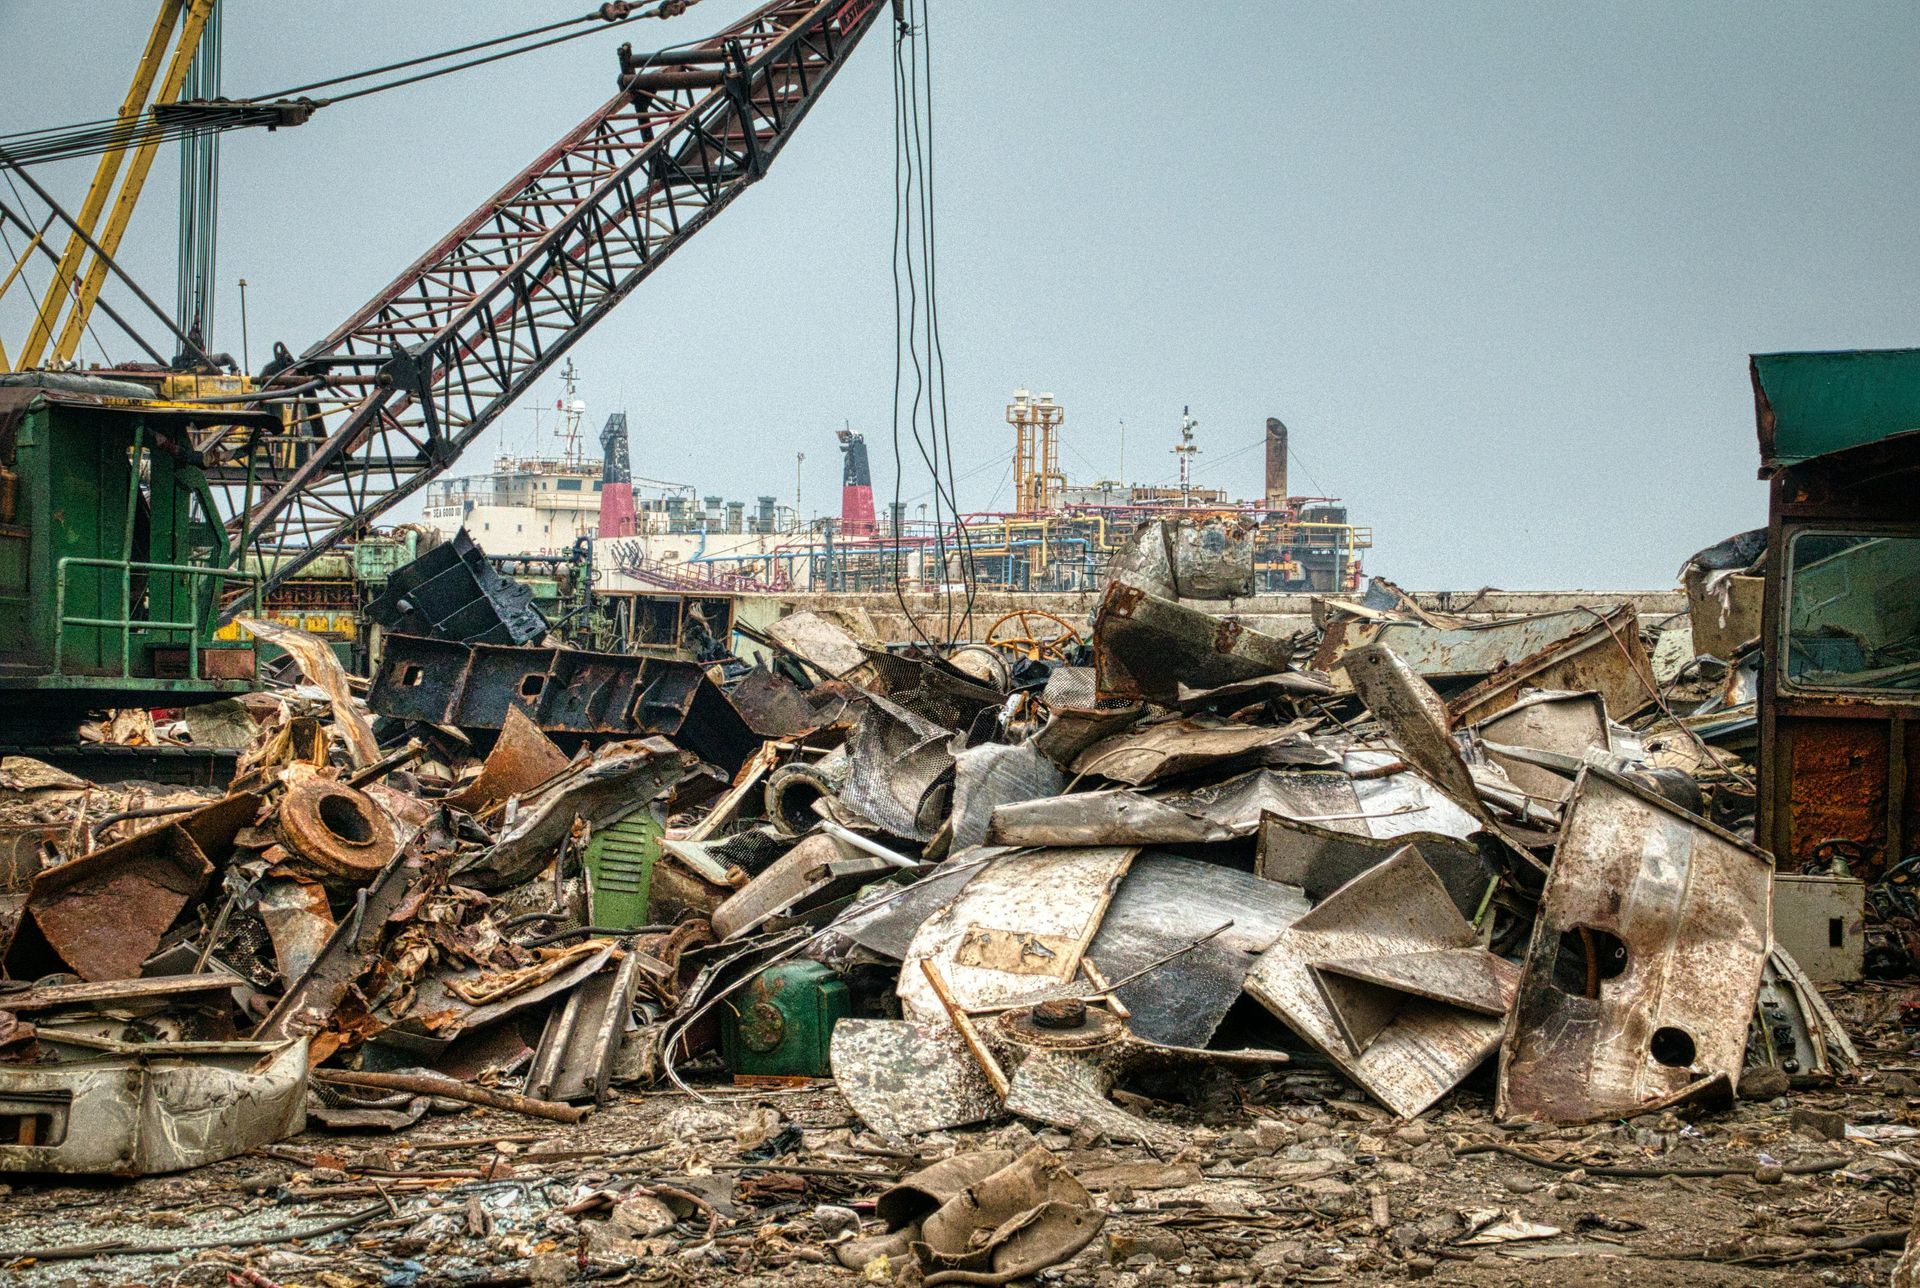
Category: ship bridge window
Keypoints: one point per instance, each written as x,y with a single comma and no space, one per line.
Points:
567,485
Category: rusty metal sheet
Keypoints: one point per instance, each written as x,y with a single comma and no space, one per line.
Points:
1166,903
155,990
1228,697
104,913
1061,1072
1365,993
310,1001
1568,724
1223,811
298,921
1072,726
1177,747
1145,646
1427,1047
1188,558
121,1109
826,643
1475,651
583,1034
522,758
1653,931
1607,658
1414,718
1048,903
773,706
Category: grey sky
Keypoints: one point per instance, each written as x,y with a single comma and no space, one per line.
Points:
1497,265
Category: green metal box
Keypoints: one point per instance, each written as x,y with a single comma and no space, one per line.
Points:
780,1025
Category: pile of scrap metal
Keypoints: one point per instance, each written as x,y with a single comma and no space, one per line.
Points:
1397,845
965,883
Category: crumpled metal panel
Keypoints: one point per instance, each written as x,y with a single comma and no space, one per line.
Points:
1608,658
773,706
582,1037
1320,858
105,912
1177,747
319,665
1146,646
1015,933
118,1109
1426,1047
522,758
1392,805
1366,993
1690,907
1165,903
904,1078
613,779
452,592
1182,558
1569,724
311,1000
994,774
1469,652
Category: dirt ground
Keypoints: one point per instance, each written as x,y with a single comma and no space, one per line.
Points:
1289,1178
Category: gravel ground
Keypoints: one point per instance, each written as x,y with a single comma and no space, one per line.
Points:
1287,1178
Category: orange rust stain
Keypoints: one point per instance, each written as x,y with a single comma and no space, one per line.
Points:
1839,788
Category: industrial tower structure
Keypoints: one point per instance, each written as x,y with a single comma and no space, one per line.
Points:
1037,479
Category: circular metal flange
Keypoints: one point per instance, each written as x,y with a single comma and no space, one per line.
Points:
337,829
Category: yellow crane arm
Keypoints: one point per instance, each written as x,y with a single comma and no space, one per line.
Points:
190,17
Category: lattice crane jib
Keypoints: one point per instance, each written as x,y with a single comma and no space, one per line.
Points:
394,395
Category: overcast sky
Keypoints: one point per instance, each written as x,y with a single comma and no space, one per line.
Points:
1497,265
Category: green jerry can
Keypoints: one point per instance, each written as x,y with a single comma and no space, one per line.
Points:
780,1024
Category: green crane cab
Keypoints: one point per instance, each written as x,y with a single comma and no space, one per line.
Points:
113,563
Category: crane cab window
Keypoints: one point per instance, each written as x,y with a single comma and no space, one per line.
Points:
1853,611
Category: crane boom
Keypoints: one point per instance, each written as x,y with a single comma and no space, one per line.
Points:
395,394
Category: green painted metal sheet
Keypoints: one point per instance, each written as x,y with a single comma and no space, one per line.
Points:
619,860
1809,404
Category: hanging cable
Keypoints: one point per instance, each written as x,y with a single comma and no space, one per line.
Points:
962,537
900,231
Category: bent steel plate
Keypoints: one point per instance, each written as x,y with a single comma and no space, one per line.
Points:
1427,1047
1680,915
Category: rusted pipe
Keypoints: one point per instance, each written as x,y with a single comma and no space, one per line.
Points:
435,1085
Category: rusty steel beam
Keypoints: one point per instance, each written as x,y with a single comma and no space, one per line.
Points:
414,376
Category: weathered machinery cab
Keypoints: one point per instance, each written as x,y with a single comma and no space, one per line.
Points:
112,569
1840,688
